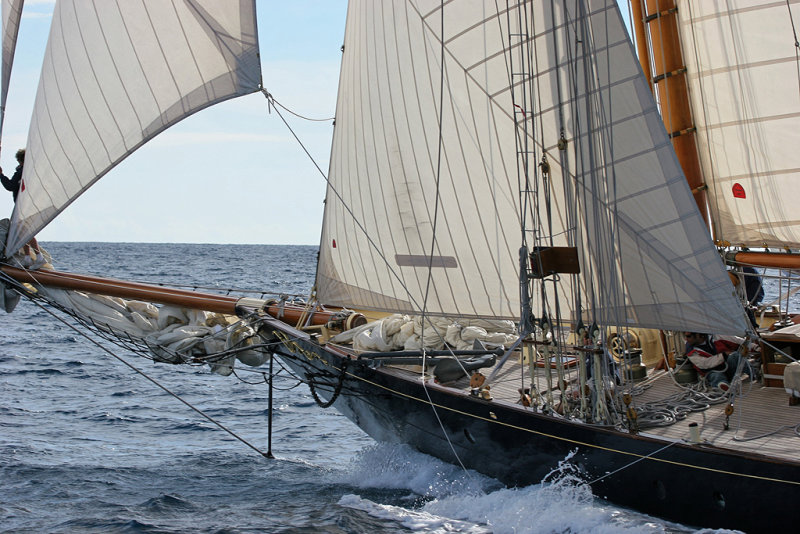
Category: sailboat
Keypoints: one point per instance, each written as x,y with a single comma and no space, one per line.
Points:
508,236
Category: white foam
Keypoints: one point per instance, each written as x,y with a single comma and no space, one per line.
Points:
411,519
396,466
466,501
562,503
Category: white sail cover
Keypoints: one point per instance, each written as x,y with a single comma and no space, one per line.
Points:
12,13
617,191
115,74
742,68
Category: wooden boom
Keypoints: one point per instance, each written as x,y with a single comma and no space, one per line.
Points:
775,260
289,313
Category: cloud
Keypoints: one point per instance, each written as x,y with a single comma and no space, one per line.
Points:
43,9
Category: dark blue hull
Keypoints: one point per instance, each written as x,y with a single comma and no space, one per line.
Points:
692,484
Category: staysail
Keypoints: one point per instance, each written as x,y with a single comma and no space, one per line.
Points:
742,66
408,192
117,73
12,13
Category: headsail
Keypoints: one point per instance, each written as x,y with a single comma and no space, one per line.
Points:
12,13
116,74
742,66
617,192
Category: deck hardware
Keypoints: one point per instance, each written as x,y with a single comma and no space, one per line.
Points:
694,433
728,414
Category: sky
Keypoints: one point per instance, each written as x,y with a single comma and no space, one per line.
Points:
232,173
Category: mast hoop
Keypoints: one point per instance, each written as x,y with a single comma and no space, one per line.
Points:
660,77
685,131
650,18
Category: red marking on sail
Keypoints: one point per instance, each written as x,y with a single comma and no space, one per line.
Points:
334,243
738,191
22,186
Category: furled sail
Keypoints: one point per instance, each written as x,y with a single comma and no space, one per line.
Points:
12,13
742,66
117,73
410,197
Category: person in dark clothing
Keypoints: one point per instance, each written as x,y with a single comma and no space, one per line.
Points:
12,184
753,285
754,292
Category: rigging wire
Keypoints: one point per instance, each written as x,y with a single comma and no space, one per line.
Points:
274,102
433,243
151,379
796,44
349,210
594,169
617,292
525,315
437,179
634,462
523,178
560,341
116,337
570,207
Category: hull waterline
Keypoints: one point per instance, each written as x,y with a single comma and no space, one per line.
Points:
692,484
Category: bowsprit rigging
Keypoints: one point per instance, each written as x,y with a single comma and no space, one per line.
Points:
512,265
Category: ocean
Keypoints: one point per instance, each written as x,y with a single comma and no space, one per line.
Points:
89,445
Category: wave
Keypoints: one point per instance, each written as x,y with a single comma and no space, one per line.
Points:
446,498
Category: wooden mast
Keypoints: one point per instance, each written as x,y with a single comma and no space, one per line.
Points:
670,88
642,48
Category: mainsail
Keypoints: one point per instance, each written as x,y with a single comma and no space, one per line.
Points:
742,65
12,13
409,195
117,73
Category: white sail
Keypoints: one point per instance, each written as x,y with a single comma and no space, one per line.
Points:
646,257
115,74
12,12
742,67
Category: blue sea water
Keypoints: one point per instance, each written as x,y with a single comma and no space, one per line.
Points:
88,445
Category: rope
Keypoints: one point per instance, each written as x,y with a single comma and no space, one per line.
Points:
773,432
675,408
142,373
433,245
271,101
349,211
336,391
